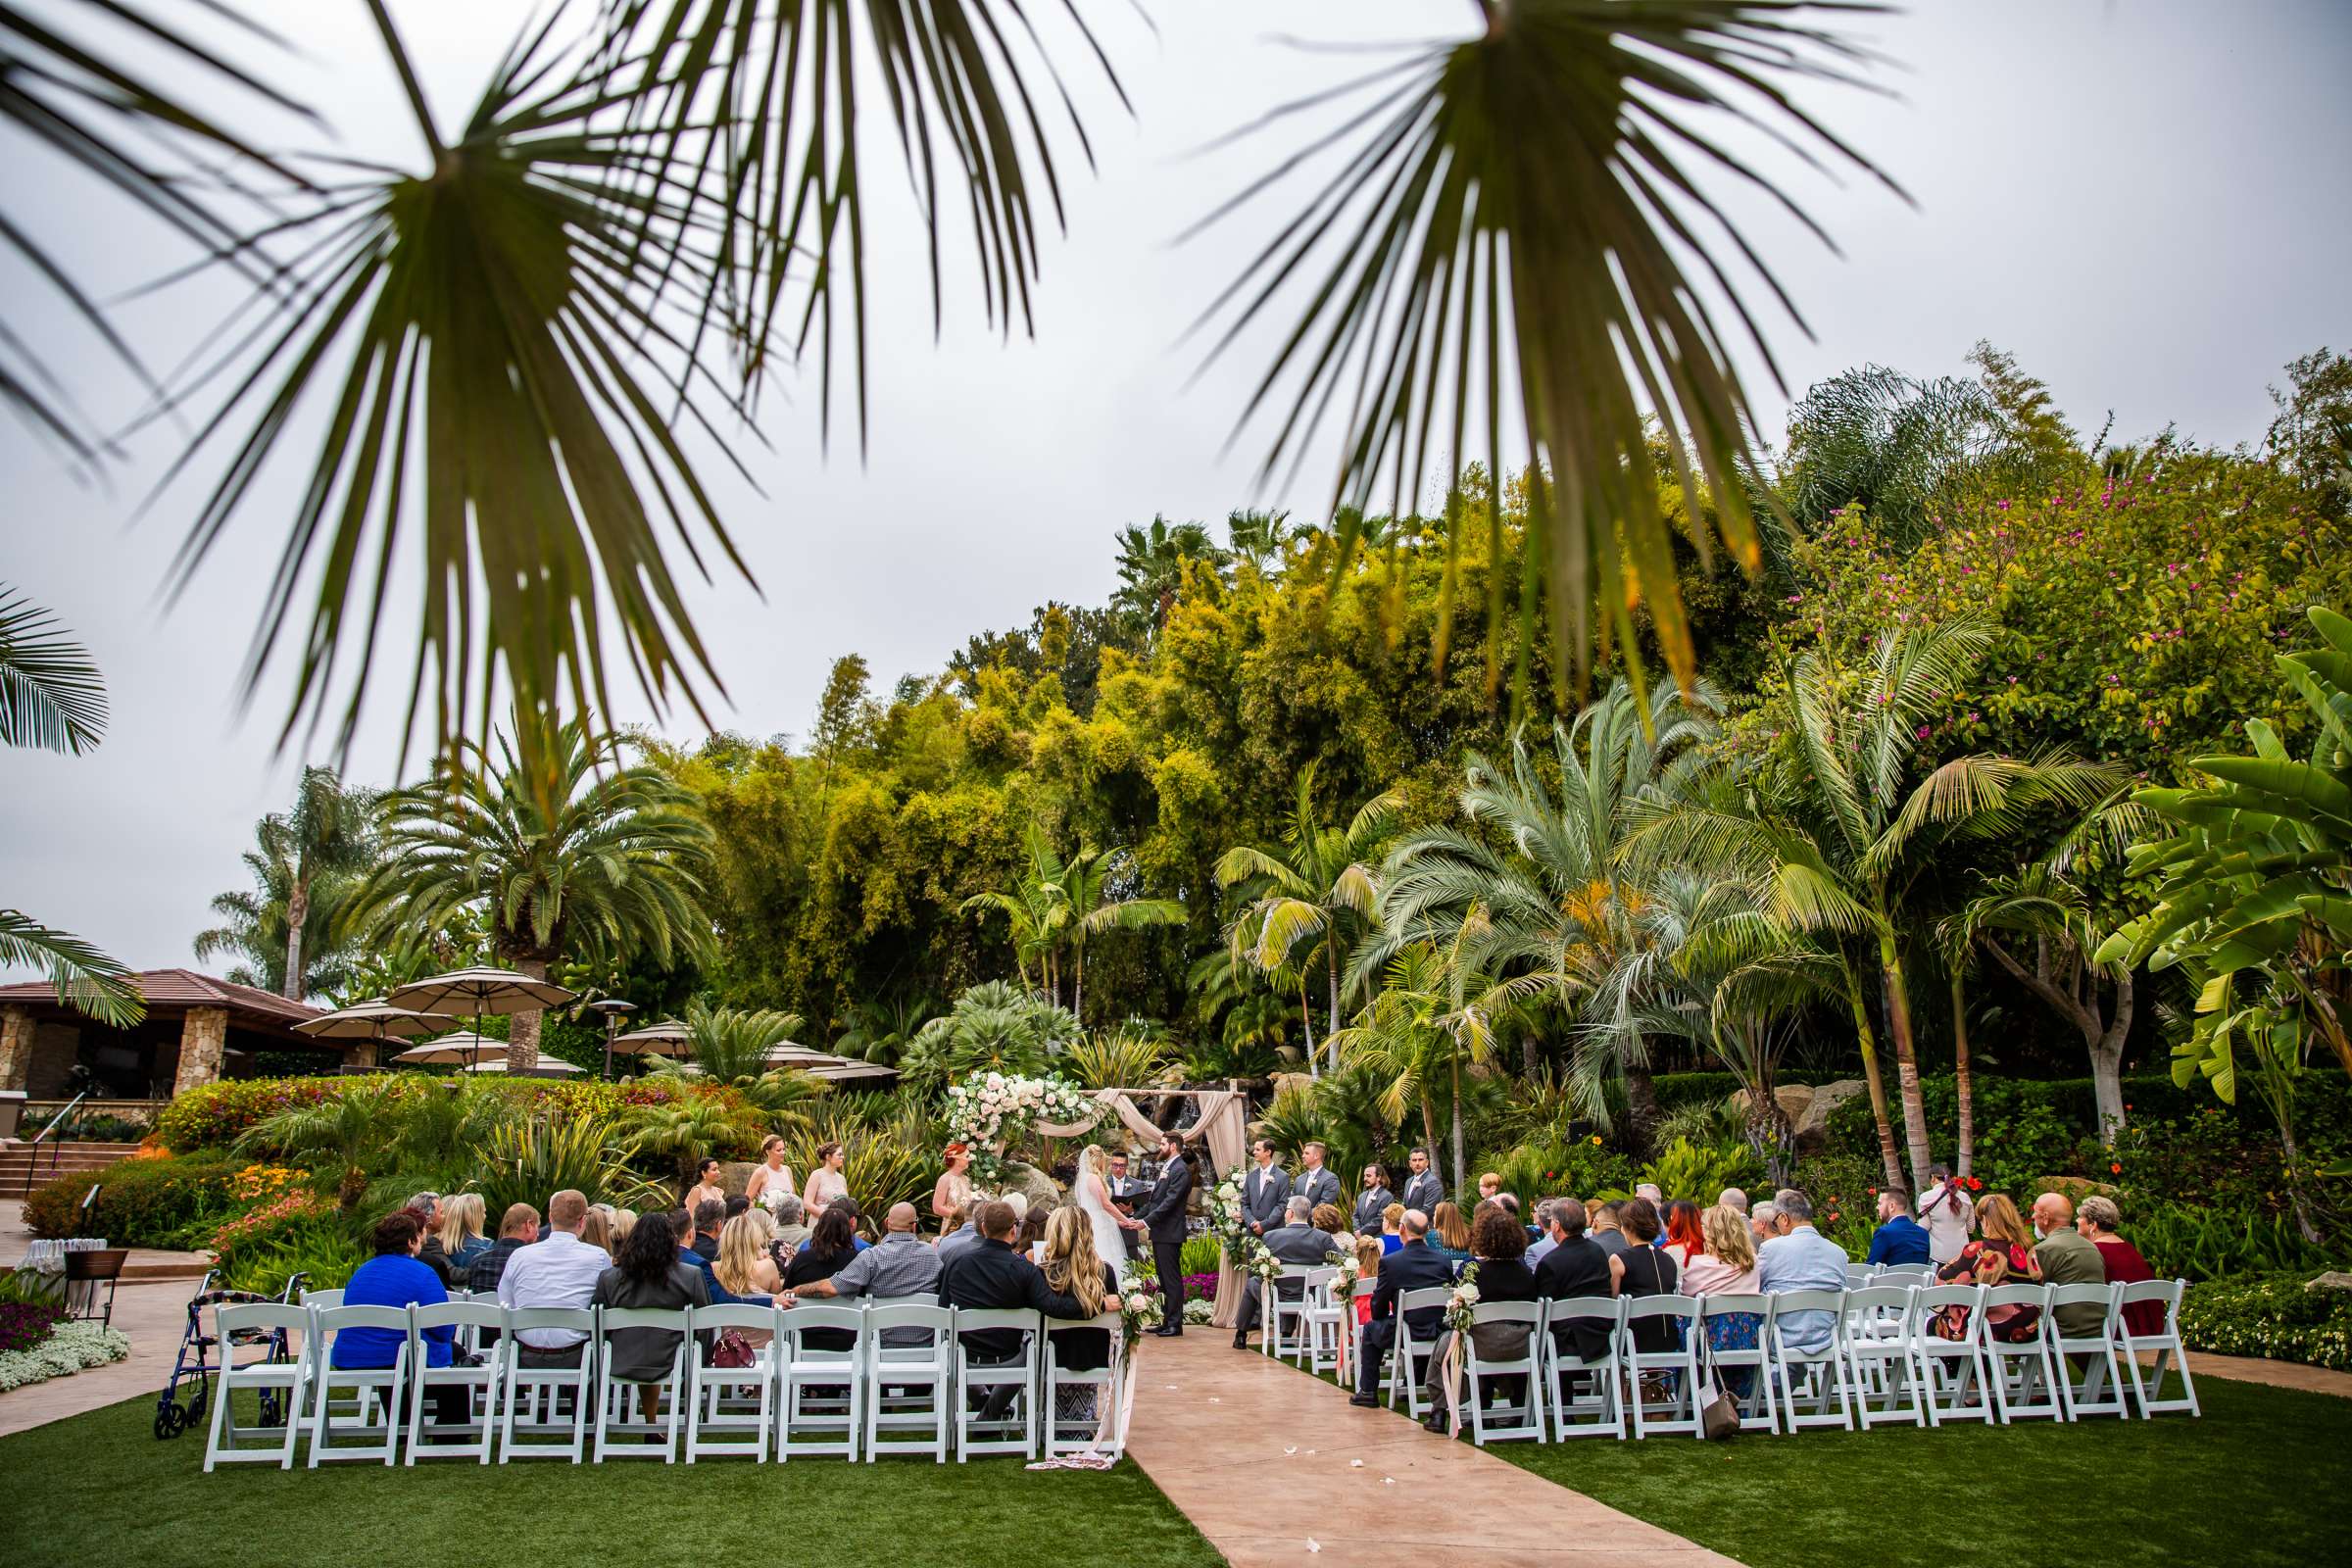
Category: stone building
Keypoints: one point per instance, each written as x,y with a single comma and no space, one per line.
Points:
198,1029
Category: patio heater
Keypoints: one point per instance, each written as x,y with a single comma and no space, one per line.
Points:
614,1010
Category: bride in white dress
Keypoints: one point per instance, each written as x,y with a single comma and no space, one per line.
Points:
1090,1190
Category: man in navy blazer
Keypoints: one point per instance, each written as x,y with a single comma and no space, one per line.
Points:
1414,1266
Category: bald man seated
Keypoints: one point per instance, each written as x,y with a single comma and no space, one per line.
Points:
2066,1258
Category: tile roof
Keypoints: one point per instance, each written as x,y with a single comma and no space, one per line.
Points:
185,987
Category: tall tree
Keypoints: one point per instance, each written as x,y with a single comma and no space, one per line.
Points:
329,833
254,922
1311,901
566,850
1152,562
1092,889
1832,839
52,697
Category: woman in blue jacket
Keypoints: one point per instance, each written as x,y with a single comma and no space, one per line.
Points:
395,1277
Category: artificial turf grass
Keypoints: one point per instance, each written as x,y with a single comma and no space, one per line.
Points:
99,1489
2258,1479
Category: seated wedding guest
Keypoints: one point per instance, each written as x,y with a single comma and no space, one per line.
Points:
1647,1270
792,1223
693,1259
1541,1248
1415,1265
710,1218
1764,1222
1368,1254
1073,1268
1949,1215
397,1277
706,1187
1294,1240
898,1266
1498,1247
1329,1219
1489,1184
1801,1259
1391,1228
1372,1197
1450,1233
959,1234
517,1230
1683,1238
743,1265
1658,1201
652,1273
560,1271
1733,1198
1899,1239
1030,1240
737,1204
624,1220
427,1207
1604,1225
991,1276
1726,1265
1577,1267
2002,1255
2066,1257
596,1228
832,1246
460,1232
2097,1220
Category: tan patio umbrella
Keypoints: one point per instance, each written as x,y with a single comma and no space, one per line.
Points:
668,1038
823,1064
373,1019
451,1049
478,991
553,1067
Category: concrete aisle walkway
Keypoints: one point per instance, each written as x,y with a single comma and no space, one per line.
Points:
1275,1467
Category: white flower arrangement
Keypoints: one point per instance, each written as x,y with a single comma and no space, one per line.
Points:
1199,1312
1349,1270
991,1114
1463,1301
72,1347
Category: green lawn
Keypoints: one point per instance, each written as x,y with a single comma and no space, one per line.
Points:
2258,1479
99,1489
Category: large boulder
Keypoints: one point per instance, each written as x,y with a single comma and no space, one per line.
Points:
1813,1127
1796,1099
1034,1185
2333,1280
2075,1188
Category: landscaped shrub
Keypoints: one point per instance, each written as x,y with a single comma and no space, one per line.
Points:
1558,1167
141,1202
216,1115
69,1349
321,1249
1201,1256
25,1324
2195,1243
274,1220
86,1128
2274,1316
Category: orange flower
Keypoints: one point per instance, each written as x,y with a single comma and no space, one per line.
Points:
2115,1170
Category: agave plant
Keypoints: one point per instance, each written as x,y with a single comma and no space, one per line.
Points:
1134,1053
685,1130
523,1161
881,1168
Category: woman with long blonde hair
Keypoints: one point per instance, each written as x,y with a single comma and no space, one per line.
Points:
743,1265
596,1228
462,1238
2004,1255
1074,1268
624,1220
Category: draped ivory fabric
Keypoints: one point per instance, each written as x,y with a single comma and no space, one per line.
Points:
1223,1124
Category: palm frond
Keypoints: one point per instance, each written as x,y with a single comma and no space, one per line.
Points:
1537,185
84,976
51,694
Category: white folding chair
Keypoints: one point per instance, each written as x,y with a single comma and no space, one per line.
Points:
1080,1437
1282,1319
1857,1275
1350,1328
1885,1383
910,1389
1510,1421
819,1389
532,1424
2101,1388
321,1298
1675,1369
731,1410
616,1395
2024,1383
472,1440
375,1408
1404,1354
1759,1407
287,1383
1600,1411
1323,1319
1905,1274
1954,1375
1009,1433
2149,1392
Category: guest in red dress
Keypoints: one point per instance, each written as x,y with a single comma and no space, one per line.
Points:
2097,1220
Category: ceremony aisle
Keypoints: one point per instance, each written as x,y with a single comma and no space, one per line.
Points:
1275,1467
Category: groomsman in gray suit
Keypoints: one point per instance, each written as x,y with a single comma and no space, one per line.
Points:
1264,1191
1315,1184
1424,1191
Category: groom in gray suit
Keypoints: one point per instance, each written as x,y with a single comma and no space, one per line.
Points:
1264,1191
1315,1184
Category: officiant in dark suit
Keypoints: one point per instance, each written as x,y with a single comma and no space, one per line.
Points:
1163,1214
1125,1193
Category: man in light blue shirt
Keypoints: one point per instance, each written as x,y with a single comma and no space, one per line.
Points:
1803,1259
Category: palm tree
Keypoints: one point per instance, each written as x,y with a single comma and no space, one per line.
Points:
1152,563
1557,900
292,924
1058,903
329,833
566,851
641,218
1312,900
1260,537
1432,1020
1038,909
1831,839
992,1027
52,697
730,1045
1092,910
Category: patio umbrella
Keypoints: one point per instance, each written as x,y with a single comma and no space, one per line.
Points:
822,1065
554,1067
668,1038
374,1019
478,991
447,1049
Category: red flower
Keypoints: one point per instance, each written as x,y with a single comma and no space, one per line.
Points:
1974,1185
2115,1170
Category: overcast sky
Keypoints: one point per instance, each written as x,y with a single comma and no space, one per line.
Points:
2146,202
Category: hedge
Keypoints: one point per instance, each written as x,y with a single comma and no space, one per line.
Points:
172,1204
2274,1315
219,1114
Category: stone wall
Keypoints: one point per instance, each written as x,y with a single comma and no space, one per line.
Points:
203,1039
16,1046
